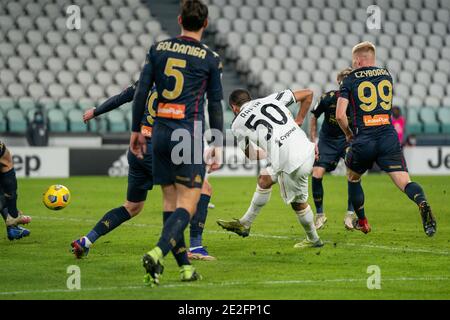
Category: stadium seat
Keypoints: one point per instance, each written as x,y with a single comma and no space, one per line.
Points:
428,117
25,104
57,120
75,118
3,124
443,116
116,121
5,104
66,104
413,125
17,122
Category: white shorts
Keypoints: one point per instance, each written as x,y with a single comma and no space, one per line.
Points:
294,185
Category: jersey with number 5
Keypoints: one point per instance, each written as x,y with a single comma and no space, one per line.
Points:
268,123
185,70
369,91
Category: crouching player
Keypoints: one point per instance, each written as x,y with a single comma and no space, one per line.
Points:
140,180
369,89
331,148
265,128
140,177
8,197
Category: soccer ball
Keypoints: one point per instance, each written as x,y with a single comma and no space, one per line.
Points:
56,197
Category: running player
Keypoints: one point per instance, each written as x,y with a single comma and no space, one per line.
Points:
331,148
265,128
139,182
8,197
369,90
183,70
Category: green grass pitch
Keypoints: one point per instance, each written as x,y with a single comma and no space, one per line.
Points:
262,266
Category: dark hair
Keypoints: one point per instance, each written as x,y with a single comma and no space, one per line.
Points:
239,96
193,14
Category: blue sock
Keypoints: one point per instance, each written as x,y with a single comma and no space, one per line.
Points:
317,190
179,251
173,230
415,192
8,181
198,221
108,223
356,195
349,205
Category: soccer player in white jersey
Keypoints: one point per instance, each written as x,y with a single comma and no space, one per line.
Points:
266,129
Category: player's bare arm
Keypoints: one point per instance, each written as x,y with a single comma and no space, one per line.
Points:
313,133
305,98
341,118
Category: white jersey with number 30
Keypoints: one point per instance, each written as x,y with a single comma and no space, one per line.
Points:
268,123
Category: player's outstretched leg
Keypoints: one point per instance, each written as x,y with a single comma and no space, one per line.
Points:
305,217
356,195
415,192
242,226
317,190
261,196
111,220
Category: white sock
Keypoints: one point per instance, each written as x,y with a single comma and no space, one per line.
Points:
306,219
87,242
259,200
350,212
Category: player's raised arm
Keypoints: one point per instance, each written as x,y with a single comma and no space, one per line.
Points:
305,98
138,144
112,103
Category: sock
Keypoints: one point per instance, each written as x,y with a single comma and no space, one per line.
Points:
259,200
306,219
350,209
317,190
108,223
198,221
179,251
173,230
8,182
415,192
356,196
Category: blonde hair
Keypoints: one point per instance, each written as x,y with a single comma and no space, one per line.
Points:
364,47
342,74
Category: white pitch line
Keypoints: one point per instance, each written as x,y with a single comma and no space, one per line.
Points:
225,284
267,236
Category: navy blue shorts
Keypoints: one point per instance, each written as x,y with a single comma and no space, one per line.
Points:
140,175
331,150
384,150
189,169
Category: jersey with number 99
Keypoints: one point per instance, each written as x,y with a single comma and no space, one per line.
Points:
268,123
369,91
